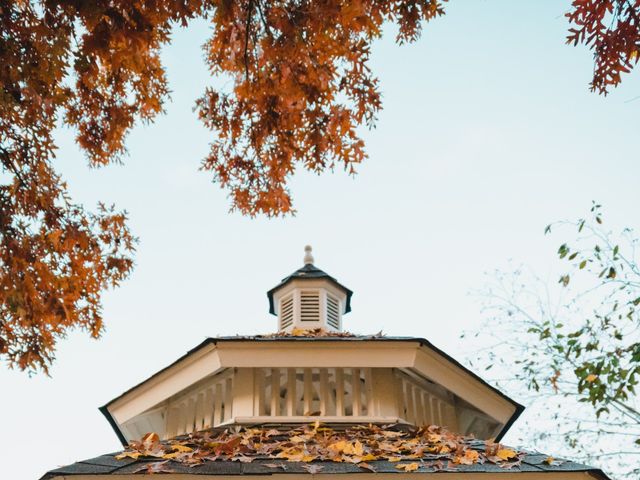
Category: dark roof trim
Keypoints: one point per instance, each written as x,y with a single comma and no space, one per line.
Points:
114,425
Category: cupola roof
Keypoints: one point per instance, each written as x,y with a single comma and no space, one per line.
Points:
308,272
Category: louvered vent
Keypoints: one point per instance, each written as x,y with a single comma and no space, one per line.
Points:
286,312
333,312
310,306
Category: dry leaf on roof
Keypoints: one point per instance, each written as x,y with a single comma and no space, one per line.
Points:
468,458
506,453
313,468
432,446
308,333
367,466
154,467
408,467
275,465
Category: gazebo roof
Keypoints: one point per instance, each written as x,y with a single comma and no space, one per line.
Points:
256,460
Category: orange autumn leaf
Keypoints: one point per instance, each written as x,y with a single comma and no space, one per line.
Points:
506,453
469,458
128,454
408,467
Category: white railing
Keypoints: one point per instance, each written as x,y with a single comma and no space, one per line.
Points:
325,392
206,406
419,406
292,395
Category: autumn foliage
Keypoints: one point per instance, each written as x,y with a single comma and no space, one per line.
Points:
299,88
611,28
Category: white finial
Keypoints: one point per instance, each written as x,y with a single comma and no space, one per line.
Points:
308,258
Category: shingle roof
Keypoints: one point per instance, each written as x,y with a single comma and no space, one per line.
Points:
219,458
108,465
309,271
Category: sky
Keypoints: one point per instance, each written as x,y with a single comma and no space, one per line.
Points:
488,133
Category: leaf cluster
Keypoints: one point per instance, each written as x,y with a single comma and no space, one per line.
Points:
611,28
301,87
429,447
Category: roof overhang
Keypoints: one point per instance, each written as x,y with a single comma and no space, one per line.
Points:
215,354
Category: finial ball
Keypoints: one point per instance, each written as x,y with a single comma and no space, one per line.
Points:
308,258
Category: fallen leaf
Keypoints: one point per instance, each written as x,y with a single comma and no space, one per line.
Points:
469,458
505,453
408,467
127,454
275,465
367,466
181,448
154,467
313,469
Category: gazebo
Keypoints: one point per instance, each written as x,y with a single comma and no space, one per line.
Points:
314,399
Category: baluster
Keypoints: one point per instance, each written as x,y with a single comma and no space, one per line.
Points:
208,409
308,395
324,392
180,420
417,401
355,390
199,417
291,391
217,405
368,407
435,409
172,422
339,392
228,399
411,408
259,392
189,416
275,392
426,405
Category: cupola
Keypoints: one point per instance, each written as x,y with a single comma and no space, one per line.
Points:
309,298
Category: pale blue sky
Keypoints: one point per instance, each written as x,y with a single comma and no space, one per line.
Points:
488,133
